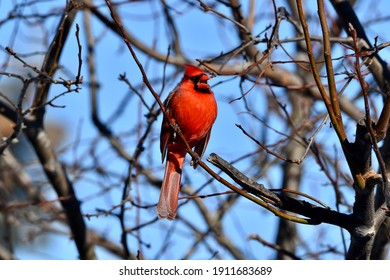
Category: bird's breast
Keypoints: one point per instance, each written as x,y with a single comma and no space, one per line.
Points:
195,113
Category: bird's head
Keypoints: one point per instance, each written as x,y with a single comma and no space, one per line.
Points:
198,77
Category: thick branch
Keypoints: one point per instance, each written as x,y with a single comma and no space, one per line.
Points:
52,58
39,140
317,214
63,187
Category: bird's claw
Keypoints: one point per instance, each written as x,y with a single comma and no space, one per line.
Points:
195,160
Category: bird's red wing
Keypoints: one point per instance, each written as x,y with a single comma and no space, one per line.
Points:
200,148
164,137
166,128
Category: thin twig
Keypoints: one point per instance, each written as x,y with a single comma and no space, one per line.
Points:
266,148
329,66
339,127
79,78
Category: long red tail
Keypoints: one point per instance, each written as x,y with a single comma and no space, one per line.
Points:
169,194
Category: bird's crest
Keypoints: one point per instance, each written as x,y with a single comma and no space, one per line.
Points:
192,71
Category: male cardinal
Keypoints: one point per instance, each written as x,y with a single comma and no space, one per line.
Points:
192,107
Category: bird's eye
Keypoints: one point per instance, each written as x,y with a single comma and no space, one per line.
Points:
195,79
200,83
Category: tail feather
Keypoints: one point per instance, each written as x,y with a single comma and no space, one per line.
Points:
169,194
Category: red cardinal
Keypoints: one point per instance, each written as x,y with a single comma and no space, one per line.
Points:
191,105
